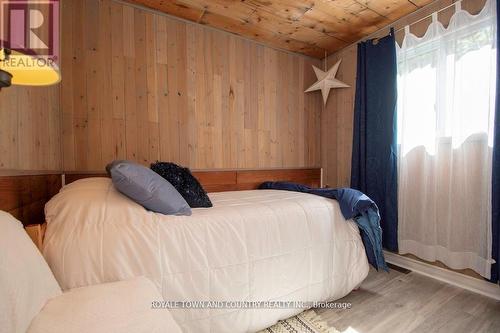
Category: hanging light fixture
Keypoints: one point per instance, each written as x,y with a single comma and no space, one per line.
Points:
5,77
327,80
21,69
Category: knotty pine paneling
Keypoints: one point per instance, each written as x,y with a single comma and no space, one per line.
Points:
30,123
337,118
337,122
307,27
143,86
30,128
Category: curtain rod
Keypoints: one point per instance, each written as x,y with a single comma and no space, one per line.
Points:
427,16
375,33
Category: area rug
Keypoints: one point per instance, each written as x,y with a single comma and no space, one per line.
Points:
305,322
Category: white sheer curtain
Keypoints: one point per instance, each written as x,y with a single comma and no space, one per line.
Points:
446,104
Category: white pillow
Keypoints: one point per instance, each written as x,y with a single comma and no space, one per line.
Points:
26,281
123,306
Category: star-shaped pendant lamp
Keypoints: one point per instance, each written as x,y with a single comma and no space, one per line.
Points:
327,81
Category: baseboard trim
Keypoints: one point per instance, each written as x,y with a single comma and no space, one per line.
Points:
484,288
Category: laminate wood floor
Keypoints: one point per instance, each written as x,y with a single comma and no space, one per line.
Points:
398,302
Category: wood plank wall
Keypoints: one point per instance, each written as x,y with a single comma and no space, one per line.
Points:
30,128
337,118
29,124
145,87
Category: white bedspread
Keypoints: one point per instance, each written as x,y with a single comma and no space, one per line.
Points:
251,246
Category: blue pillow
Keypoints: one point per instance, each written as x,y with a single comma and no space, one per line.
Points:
147,188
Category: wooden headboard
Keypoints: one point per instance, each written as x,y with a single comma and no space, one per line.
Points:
25,196
236,180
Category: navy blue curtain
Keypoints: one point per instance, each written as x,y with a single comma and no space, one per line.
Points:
374,152
495,195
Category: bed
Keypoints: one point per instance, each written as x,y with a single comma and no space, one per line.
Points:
253,245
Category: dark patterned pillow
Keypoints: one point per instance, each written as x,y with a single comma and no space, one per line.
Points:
184,182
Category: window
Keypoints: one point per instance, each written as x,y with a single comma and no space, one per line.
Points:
446,105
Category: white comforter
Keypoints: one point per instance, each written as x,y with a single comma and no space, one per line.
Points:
251,246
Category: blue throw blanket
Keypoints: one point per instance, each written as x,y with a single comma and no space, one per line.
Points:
353,205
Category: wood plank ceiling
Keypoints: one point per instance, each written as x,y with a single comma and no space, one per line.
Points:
310,27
